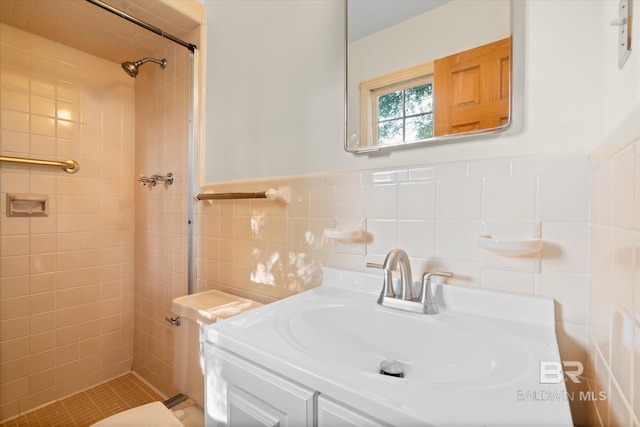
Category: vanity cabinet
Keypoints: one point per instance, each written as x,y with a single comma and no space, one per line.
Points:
254,396
333,414
258,397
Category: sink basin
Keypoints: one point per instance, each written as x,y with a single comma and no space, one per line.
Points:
442,349
481,352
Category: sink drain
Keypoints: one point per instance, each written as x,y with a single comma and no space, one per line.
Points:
392,368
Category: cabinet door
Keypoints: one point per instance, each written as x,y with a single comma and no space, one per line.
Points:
334,414
254,396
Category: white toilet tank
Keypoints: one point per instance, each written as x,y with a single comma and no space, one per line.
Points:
195,310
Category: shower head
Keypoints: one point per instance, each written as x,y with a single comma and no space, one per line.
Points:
131,68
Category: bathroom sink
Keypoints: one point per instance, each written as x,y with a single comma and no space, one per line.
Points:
441,349
482,352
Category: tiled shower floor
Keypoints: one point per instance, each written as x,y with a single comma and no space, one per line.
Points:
90,406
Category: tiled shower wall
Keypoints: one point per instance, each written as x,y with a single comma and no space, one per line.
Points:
66,280
268,250
614,311
162,124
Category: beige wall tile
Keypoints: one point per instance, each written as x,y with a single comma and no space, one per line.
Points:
42,380
52,268
14,245
14,369
614,266
11,266
11,308
11,287
14,328
42,341
14,349
41,322
42,361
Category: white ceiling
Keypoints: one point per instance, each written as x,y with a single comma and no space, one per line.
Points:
369,16
84,26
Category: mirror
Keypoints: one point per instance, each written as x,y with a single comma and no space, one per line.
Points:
427,71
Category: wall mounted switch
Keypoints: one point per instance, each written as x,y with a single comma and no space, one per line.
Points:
624,22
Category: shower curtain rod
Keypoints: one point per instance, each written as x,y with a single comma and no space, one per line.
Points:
143,24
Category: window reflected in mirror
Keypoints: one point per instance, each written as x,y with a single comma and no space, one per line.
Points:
405,115
398,107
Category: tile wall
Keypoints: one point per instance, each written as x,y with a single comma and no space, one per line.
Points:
614,312
268,250
162,120
66,280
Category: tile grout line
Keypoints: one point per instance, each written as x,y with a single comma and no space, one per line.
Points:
117,396
73,410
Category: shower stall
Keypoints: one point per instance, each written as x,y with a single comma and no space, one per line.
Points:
84,290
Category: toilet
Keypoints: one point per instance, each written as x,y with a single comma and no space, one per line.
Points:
192,312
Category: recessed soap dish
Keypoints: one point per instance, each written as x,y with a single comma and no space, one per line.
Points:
27,204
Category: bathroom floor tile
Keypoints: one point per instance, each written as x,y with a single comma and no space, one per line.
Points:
87,407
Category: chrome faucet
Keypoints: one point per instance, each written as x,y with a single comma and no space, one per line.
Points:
405,299
395,258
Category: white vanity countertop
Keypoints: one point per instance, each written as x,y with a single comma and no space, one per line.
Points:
476,363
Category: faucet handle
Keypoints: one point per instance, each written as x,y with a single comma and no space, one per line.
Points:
428,275
426,295
387,285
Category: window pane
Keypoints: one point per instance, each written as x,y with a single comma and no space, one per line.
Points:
390,106
419,99
419,127
390,132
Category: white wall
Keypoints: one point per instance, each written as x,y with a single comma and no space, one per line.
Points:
620,87
274,78
265,119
